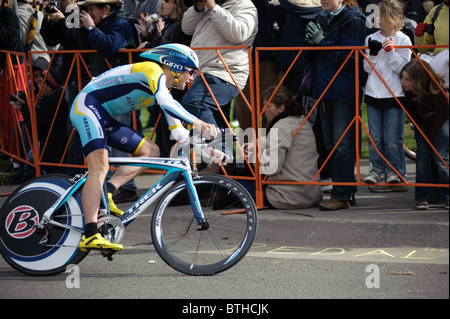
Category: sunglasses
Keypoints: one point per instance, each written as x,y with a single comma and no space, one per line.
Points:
191,71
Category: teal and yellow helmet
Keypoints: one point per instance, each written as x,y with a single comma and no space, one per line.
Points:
176,57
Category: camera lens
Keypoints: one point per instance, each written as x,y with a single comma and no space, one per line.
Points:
50,8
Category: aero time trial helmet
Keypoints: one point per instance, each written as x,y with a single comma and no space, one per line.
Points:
176,57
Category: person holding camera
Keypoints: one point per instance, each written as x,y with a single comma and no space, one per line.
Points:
134,8
106,30
219,23
168,29
340,23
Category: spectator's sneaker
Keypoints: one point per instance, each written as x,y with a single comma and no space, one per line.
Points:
113,207
422,205
393,178
446,205
123,195
372,178
97,241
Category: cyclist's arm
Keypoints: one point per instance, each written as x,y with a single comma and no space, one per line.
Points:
176,111
171,108
177,130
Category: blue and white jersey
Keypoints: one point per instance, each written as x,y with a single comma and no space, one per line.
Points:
123,89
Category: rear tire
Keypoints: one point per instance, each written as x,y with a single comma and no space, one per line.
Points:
19,238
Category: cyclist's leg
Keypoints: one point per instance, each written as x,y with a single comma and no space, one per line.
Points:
97,162
98,168
90,122
135,144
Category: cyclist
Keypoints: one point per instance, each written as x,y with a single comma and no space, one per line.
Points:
117,91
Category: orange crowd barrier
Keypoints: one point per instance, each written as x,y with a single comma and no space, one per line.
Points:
12,143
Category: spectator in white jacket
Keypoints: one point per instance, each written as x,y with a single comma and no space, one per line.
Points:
385,116
215,24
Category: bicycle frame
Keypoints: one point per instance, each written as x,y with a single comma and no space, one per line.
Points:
175,168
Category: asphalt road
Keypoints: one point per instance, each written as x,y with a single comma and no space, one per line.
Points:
380,249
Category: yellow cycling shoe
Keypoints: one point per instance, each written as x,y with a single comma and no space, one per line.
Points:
113,207
97,241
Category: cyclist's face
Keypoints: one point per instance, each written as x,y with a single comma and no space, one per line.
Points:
184,79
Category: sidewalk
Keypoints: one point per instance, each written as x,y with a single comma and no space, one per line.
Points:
377,220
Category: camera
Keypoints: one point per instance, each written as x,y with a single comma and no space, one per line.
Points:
50,8
83,8
21,95
152,18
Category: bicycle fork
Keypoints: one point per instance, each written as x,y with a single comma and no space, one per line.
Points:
195,201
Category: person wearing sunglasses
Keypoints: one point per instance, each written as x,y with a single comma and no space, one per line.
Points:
167,29
123,89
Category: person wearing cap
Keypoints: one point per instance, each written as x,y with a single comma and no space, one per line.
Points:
117,91
106,30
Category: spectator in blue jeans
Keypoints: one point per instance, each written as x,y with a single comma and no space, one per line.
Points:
338,24
427,105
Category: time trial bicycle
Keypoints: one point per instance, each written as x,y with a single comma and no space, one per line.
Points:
202,224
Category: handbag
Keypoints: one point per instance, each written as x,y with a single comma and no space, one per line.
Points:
306,82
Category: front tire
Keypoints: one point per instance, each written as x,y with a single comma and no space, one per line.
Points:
232,217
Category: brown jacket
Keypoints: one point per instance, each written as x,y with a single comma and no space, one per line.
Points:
291,159
430,113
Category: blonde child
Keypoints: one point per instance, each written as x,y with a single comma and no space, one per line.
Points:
385,116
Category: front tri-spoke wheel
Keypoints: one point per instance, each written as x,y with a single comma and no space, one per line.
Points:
214,247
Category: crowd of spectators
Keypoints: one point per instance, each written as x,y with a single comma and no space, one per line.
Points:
106,26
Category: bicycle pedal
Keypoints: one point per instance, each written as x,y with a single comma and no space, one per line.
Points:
107,253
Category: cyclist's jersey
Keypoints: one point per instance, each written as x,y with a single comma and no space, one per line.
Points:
118,91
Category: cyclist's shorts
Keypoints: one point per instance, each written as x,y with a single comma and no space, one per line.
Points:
97,129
